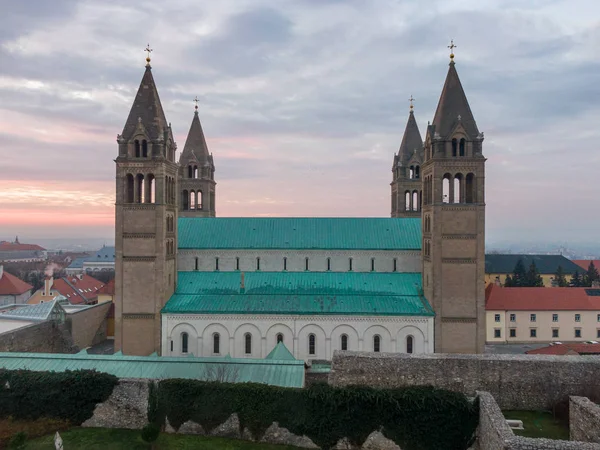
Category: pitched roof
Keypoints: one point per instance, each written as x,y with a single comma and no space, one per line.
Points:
299,293
299,233
585,263
567,349
37,312
6,246
195,144
147,107
108,288
453,103
280,353
78,288
11,285
411,140
500,298
546,264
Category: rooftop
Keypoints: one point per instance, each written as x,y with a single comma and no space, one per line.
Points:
299,293
567,349
11,285
500,298
546,264
299,233
36,312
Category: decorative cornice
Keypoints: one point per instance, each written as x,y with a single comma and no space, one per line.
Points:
139,206
458,206
459,319
283,251
138,316
459,261
139,258
139,235
307,318
459,236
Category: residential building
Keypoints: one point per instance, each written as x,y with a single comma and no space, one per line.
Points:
497,266
101,261
539,315
13,290
77,289
584,264
18,252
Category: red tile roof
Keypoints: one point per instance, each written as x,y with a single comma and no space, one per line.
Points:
108,288
499,298
11,285
83,290
585,263
567,349
6,246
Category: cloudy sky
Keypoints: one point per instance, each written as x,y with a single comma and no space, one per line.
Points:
303,103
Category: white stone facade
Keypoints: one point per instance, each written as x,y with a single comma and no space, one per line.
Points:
296,260
394,334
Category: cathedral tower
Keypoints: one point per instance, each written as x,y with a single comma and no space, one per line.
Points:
406,171
197,174
146,222
453,222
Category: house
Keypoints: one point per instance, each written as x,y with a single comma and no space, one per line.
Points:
101,261
585,263
538,315
12,289
17,252
556,348
497,266
77,289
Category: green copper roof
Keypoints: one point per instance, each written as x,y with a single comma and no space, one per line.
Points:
280,353
306,293
300,233
287,373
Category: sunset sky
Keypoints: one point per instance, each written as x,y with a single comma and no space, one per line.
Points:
303,103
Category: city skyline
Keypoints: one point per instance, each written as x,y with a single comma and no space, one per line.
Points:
303,105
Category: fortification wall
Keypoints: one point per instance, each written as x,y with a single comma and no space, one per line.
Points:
43,337
515,381
584,420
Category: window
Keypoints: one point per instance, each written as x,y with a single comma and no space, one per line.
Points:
513,317
597,333
496,317
184,342
216,343
257,263
598,318
171,345
554,332
513,332
372,264
217,264
532,332
409,344
306,264
328,264
577,332
497,333
350,264
554,317
237,263
248,344
377,343
577,317
396,269
279,338
532,317
344,341
311,344
284,263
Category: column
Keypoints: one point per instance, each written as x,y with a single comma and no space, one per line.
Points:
328,354
263,347
450,190
232,347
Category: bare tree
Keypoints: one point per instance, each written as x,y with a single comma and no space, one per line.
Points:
223,373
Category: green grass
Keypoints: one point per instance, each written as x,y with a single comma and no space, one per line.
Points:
539,424
117,439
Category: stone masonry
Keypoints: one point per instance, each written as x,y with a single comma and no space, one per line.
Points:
584,420
43,337
515,381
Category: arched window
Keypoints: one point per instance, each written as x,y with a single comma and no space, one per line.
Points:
195,171
185,200
350,264
139,188
184,342
284,263
279,337
248,344
192,200
216,343
407,200
136,145
328,264
417,172
199,203
372,264
377,343
306,264
216,264
190,172
409,344
454,144
196,263
344,342
415,201
237,263
470,188
144,148
258,263
411,172
458,195
129,188
446,188
461,151
312,341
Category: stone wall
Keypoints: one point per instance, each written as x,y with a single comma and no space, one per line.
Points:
515,381
43,337
88,326
493,433
584,420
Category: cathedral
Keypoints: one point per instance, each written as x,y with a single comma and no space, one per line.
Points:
190,283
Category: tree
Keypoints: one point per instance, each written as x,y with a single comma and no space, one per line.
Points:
519,278
150,433
509,282
591,275
533,277
576,280
559,278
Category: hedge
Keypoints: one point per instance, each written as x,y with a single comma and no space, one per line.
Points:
416,418
70,395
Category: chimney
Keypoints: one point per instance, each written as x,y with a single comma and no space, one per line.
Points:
242,285
48,282
1,271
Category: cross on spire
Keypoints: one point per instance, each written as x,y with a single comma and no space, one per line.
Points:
196,102
452,47
411,100
149,50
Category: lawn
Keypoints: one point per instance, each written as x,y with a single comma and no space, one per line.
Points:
116,439
539,424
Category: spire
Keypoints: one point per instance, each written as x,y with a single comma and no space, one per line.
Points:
453,105
195,143
146,109
411,140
